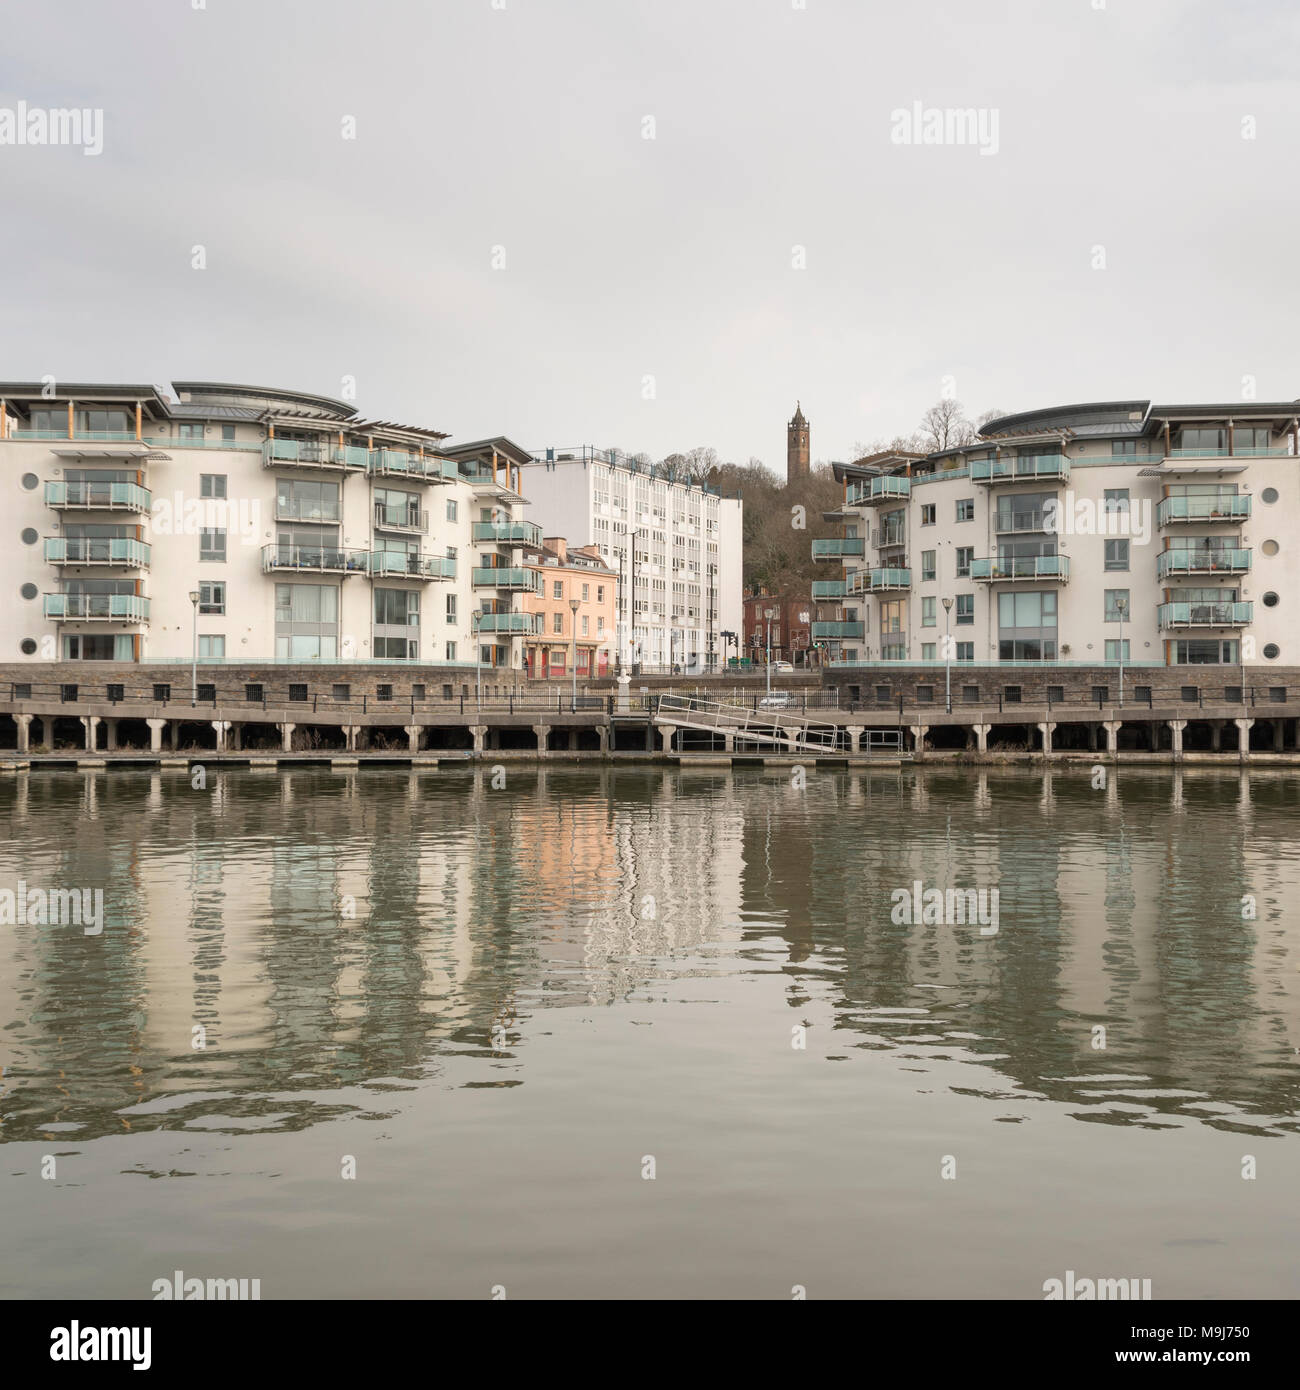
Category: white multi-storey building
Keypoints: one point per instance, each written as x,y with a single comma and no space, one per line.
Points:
674,544
1094,533
251,524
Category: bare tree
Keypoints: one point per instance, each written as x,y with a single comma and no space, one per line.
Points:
944,426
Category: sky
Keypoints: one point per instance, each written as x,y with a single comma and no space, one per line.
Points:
656,224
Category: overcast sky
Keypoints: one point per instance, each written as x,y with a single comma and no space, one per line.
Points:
517,127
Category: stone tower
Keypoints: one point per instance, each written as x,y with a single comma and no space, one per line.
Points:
796,446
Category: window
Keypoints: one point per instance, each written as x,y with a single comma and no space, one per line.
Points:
341,692
585,589
162,693
965,509
927,513
1115,500
965,609
191,431
115,693
600,593
1100,694
584,624
1123,448
1055,694
211,648
212,484
397,608
1011,694
1271,651
383,692
970,694
1117,555
212,597
1277,694
206,693
68,693
965,555
1203,440
965,651
451,509
1142,692
925,694
1232,694
1116,650
928,618
557,588
254,693
297,694
882,694
927,564
227,434
212,544
450,653
1117,606
557,623
1269,495
451,608
927,651
1270,599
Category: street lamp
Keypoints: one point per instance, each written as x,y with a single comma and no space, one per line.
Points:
573,643
1121,608
769,614
194,663
947,655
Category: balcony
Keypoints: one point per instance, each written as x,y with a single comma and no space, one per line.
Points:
998,569
1202,510
293,509
1189,615
837,631
875,492
523,533
1174,454
315,454
508,623
98,497
506,577
824,590
396,463
885,536
1032,468
314,559
110,553
1214,559
394,564
103,608
839,548
887,580
1011,522
401,518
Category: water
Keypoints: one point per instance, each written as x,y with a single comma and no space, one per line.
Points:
500,1003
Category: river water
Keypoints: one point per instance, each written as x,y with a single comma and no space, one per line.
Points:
650,1032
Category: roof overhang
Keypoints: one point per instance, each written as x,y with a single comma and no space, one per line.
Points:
102,451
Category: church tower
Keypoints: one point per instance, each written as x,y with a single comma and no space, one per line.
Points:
796,446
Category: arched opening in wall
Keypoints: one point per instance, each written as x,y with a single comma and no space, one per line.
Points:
193,735
259,737
386,738
449,736
1134,736
1072,738
9,731
946,737
589,741
132,735
67,733
1230,738
318,738
1262,735
629,738
1197,736
1012,738
518,738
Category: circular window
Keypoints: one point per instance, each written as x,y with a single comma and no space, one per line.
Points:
29,536
1270,600
1269,547
1268,495
29,591
28,646
31,482
1271,651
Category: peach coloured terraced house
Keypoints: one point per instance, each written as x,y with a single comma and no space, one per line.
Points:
566,576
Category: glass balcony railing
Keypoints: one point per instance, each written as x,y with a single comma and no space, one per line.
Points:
506,577
1005,522
1207,509
397,463
87,496
304,509
999,567
124,608
508,533
1028,468
1223,453
319,559
871,491
822,632
1203,560
88,550
1170,615
824,590
836,548
401,518
395,564
508,623
883,580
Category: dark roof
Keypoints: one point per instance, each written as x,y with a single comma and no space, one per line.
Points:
498,443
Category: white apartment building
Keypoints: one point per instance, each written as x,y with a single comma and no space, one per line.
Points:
1124,530
254,524
675,546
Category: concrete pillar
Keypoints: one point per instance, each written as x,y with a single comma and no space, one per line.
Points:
1092,738
1176,727
855,732
24,722
981,732
286,737
90,722
649,737
350,732
110,737
573,740
1047,729
729,742
606,737
1216,735
543,732
1243,737
667,731
1279,735
46,730
918,732
480,734
1112,727
413,737
237,733
221,726
1155,735
156,727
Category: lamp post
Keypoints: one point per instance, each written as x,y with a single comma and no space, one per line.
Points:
573,643
194,661
769,614
947,655
1121,607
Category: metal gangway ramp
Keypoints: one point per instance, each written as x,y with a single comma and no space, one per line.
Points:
781,730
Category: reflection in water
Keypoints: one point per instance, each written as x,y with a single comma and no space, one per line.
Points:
323,930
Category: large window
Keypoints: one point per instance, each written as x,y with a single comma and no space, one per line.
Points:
965,555
1117,555
211,647
306,622
397,608
212,543
303,499
212,484
928,618
965,609
212,597
1027,626
1117,606
928,564
1204,652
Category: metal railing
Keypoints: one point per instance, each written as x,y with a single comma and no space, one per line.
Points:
400,518
395,564
96,550
508,533
1214,559
1170,615
1203,509
90,496
129,608
1028,467
319,559
1021,567
506,577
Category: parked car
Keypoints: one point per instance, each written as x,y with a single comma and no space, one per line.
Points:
782,666
777,699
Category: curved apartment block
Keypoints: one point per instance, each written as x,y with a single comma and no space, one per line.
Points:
251,524
1091,534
